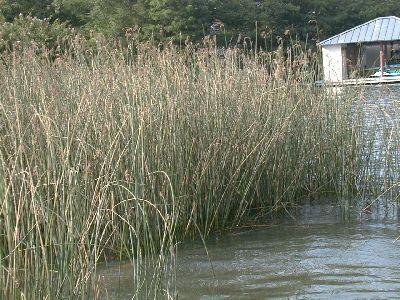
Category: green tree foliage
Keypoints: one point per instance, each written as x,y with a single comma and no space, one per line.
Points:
76,12
37,8
177,18
182,19
113,17
25,31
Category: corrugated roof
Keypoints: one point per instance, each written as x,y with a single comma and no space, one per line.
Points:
378,30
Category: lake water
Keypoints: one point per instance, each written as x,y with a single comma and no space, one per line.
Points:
323,251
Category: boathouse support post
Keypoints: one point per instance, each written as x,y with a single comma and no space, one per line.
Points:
382,59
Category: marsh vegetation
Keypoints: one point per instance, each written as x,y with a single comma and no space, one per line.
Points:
121,154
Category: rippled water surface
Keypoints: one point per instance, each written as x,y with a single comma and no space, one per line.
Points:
324,253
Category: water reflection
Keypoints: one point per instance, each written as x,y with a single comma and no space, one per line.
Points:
325,252
319,255
380,137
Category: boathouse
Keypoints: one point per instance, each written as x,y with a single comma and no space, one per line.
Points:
370,51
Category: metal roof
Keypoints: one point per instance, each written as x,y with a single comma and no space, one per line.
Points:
378,30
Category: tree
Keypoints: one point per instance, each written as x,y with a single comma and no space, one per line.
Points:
25,31
181,19
177,19
75,12
36,8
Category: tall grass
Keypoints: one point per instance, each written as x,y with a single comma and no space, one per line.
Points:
116,155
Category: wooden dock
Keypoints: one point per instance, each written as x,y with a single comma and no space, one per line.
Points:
363,81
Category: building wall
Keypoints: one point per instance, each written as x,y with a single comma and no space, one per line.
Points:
334,61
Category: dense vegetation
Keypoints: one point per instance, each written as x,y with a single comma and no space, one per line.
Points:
194,19
123,150
112,155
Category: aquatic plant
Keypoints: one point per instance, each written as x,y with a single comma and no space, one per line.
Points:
116,155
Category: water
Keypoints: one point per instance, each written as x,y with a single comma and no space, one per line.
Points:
380,135
323,254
